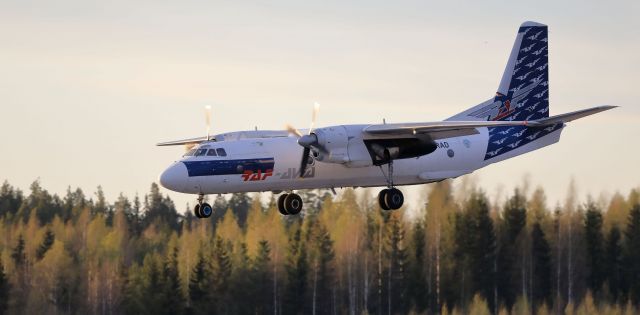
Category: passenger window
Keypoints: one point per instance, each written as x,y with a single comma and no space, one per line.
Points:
190,153
212,152
221,152
201,152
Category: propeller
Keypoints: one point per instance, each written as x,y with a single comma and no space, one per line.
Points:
308,140
207,113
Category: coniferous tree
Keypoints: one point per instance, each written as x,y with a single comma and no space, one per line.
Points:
632,254
463,233
242,289
173,300
614,268
49,237
481,246
261,279
160,209
153,284
136,217
240,204
594,246
541,266
221,275
201,286
100,206
297,270
5,288
133,289
18,255
220,207
323,270
10,199
417,287
514,220
396,252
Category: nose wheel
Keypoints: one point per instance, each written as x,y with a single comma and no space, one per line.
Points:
289,204
390,198
202,210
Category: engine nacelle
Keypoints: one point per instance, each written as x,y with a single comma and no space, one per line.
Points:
385,150
334,143
345,145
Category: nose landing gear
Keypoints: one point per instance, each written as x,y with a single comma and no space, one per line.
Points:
202,210
289,204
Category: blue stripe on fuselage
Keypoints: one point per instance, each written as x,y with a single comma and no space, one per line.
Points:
228,167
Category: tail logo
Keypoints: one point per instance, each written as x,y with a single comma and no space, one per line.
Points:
505,108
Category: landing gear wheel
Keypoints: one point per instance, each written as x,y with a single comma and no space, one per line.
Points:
281,208
381,197
196,211
394,199
206,210
293,204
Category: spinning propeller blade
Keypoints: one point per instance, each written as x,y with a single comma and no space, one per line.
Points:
207,113
308,140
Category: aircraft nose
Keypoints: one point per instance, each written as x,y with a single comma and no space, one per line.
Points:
174,177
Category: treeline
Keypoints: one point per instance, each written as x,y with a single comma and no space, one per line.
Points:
83,255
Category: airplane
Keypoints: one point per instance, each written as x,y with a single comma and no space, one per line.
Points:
375,155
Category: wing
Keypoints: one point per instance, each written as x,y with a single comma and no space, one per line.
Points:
185,141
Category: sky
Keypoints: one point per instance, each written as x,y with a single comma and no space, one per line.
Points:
87,88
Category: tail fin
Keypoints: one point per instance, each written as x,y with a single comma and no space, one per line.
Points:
524,88
523,93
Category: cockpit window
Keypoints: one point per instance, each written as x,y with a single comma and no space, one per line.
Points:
221,152
201,152
190,152
212,152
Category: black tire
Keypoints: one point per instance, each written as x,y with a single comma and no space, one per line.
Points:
381,199
281,208
293,204
206,210
394,199
196,211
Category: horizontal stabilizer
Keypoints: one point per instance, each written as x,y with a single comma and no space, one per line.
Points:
441,129
563,118
451,128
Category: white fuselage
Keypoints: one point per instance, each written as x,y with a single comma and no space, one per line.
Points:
453,157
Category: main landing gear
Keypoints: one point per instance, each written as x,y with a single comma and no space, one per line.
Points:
289,204
390,198
202,210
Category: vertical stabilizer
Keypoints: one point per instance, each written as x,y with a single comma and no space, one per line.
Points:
523,93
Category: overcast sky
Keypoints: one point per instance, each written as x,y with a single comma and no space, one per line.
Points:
87,88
